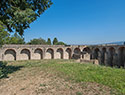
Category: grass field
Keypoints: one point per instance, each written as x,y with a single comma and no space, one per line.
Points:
112,79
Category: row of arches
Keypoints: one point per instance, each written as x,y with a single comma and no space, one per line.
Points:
105,55
110,56
25,54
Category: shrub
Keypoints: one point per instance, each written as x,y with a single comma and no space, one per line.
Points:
2,69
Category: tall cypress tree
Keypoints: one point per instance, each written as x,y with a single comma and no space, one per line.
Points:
55,41
49,41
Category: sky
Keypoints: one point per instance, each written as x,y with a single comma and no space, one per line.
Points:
81,22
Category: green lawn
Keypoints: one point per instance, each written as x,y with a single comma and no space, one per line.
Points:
70,70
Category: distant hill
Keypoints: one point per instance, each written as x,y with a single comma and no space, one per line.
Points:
117,43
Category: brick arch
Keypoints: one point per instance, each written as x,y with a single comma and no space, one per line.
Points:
103,56
96,53
86,53
10,55
26,54
60,53
38,53
68,53
86,50
121,54
111,57
49,53
76,53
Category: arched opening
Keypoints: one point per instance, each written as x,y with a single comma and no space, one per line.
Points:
86,50
103,56
96,53
121,57
59,53
68,51
10,55
50,54
111,57
25,54
77,53
38,53
86,54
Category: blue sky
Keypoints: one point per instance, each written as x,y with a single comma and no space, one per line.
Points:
81,22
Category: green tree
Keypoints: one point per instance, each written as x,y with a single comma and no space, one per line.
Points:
55,41
60,43
16,39
49,41
4,35
18,14
37,41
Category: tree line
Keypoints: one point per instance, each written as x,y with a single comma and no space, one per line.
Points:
6,38
44,42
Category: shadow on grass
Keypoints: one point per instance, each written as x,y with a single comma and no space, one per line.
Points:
5,70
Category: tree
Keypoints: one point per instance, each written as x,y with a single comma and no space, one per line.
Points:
49,41
55,41
4,35
60,43
37,41
16,39
18,14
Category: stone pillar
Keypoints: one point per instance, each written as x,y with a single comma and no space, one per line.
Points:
116,58
93,55
54,55
106,59
102,57
18,54
44,53
31,54
99,57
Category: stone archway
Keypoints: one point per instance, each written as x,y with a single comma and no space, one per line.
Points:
121,57
111,59
59,53
25,54
77,53
38,53
103,56
86,54
50,54
10,55
68,53
96,53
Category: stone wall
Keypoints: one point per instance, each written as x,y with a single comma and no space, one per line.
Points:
35,52
112,55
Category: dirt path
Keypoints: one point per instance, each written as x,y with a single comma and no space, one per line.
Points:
34,81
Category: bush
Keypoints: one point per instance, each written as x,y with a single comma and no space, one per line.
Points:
2,69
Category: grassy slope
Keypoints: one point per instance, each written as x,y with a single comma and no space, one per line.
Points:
112,77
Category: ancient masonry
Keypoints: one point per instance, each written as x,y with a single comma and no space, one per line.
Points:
111,55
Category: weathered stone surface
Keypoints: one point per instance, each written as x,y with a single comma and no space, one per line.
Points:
111,55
